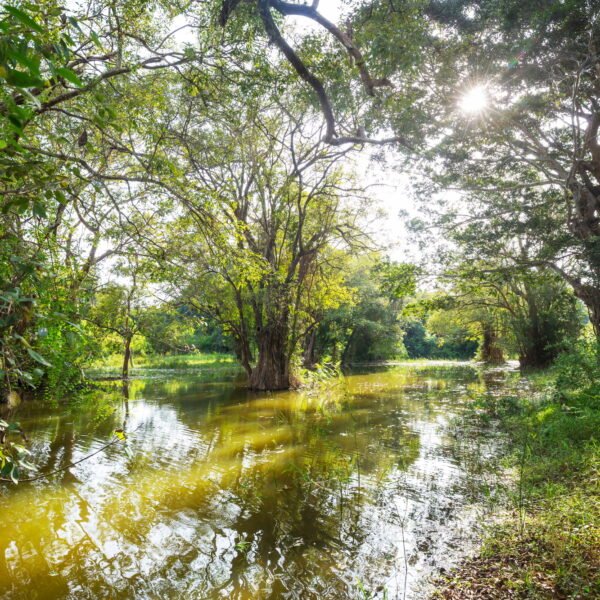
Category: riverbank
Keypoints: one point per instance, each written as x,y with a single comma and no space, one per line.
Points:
548,545
110,366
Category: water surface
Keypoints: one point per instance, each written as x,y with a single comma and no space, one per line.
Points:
363,490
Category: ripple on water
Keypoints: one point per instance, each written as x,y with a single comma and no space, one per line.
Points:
364,487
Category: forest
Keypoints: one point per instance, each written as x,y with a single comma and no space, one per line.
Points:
288,277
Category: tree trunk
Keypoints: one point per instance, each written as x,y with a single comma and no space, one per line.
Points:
272,371
535,353
490,352
126,357
308,359
345,351
590,296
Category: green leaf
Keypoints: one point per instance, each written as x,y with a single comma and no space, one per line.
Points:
74,23
95,39
30,62
24,18
38,357
69,75
21,449
7,465
3,144
24,80
120,434
39,210
60,196
14,474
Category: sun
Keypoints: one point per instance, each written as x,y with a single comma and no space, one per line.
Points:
474,101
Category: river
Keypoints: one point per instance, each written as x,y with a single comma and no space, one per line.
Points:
362,490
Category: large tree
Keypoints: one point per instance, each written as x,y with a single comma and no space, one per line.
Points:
258,246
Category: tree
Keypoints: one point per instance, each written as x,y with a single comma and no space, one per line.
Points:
339,67
65,74
529,312
256,247
368,328
513,88
118,308
166,329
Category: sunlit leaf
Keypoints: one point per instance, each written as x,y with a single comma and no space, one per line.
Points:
69,75
38,357
21,79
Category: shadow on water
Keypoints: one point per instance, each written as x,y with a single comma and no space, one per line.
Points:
360,491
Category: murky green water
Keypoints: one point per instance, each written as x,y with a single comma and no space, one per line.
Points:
361,491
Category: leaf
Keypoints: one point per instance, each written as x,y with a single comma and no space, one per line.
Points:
74,23
95,39
3,423
30,62
39,210
69,75
7,465
24,18
27,465
21,449
120,434
38,357
14,474
33,98
3,144
24,80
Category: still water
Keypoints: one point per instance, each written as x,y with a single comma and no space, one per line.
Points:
359,491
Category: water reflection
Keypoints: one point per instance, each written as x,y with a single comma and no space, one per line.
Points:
359,490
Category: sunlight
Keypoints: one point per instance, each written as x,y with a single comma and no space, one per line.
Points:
474,101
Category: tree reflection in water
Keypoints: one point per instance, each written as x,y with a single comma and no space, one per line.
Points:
235,494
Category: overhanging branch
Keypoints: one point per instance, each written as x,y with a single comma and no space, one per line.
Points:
310,11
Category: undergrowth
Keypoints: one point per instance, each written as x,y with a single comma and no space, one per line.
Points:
549,546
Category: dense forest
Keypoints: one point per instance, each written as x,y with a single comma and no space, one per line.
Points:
187,178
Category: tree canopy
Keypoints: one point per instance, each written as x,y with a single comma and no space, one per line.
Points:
211,150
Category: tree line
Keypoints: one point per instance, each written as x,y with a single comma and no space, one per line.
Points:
201,153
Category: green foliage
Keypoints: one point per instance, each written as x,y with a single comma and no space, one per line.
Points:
578,370
368,329
13,456
551,548
166,330
438,338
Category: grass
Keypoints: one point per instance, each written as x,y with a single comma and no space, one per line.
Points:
549,544
112,364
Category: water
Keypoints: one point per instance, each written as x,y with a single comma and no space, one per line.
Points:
360,491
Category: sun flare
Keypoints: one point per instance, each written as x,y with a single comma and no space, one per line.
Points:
474,101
